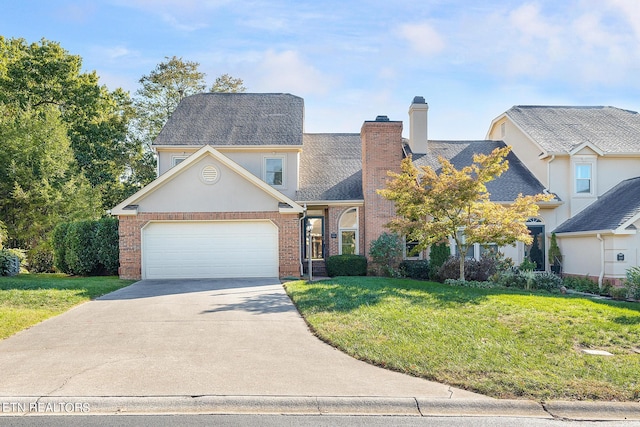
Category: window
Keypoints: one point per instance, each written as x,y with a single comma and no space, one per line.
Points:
409,253
348,232
175,160
583,178
274,171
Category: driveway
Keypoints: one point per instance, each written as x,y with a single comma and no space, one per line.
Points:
192,337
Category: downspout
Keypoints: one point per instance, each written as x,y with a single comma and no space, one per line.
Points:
553,157
304,216
601,276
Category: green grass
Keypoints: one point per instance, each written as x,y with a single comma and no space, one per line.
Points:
28,299
502,343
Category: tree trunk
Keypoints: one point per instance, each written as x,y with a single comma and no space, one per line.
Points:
462,257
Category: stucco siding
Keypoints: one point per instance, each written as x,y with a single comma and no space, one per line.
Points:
187,192
581,255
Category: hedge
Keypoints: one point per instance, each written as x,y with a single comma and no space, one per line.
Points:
9,263
346,265
87,248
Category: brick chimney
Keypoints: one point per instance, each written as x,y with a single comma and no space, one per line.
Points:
418,125
381,152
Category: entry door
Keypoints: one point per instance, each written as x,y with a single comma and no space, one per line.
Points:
536,250
314,237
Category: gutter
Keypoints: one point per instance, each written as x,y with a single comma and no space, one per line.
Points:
601,276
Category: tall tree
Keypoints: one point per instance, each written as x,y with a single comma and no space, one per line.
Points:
454,204
228,84
39,183
43,75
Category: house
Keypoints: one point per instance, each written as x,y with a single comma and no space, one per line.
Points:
590,158
243,191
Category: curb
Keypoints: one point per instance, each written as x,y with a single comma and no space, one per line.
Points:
318,405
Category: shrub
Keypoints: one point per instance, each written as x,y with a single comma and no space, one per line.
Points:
9,263
59,246
510,278
415,269
386,252
473,270
346,265
632,283
581,284
40,258
105,245
79,256
470,283
546,281
527,265
438,255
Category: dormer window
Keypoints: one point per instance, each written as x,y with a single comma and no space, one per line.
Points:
274,171
583,172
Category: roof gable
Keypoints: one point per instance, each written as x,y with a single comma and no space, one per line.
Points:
244,119
614,210
128,206
559,129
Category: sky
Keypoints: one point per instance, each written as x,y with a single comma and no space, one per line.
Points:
353,60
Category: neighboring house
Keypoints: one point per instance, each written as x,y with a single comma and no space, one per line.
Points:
244,192
590,158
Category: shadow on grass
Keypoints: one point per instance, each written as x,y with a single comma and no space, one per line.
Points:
89,287
348,293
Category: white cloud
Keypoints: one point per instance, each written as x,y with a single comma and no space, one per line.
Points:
287,72
630,10
422,38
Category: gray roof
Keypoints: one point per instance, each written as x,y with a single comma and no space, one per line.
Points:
331,167
609,212
560,129
516,180
235,119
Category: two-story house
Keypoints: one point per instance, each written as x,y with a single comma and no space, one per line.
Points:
590,158
242,191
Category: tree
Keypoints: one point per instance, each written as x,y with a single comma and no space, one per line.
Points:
386,252
454,204
39,76
228,84
39,184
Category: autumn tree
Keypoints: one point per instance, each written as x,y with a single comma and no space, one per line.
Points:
228,84
454,204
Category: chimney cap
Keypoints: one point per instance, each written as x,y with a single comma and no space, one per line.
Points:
382,119
419,100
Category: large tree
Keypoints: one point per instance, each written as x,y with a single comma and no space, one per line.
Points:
454,204
39,183
43,75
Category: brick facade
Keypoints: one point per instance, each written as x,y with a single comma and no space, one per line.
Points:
381,152
130,231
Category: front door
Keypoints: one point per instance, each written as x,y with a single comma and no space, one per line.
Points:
535,251
314,237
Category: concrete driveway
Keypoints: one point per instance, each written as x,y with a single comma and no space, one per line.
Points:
192,337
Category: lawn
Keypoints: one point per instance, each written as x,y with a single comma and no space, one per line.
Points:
499,342
28,299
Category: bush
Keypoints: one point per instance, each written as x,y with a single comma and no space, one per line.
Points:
470,283
9,263
619,293
632,283
438,255
527,265
346,265
581,284
105,245
59,247
386,252
81,260
415,269
40,259
479,271
547,281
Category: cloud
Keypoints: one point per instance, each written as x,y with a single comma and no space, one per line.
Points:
287,71
422,38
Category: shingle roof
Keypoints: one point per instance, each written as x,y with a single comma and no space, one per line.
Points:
516,180
609,212
560,129
235,119
331,167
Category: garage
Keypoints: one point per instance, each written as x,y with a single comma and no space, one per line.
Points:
209,249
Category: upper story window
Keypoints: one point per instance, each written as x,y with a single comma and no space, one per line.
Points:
175,160
274,171
583,173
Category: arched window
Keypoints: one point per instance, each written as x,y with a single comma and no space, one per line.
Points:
348,232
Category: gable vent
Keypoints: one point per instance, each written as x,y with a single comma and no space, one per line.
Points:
210,174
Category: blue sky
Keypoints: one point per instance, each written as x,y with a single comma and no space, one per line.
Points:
352,60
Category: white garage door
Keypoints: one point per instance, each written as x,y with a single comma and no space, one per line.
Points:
220,249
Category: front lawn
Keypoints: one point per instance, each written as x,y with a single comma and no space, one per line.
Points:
28,299
502,343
